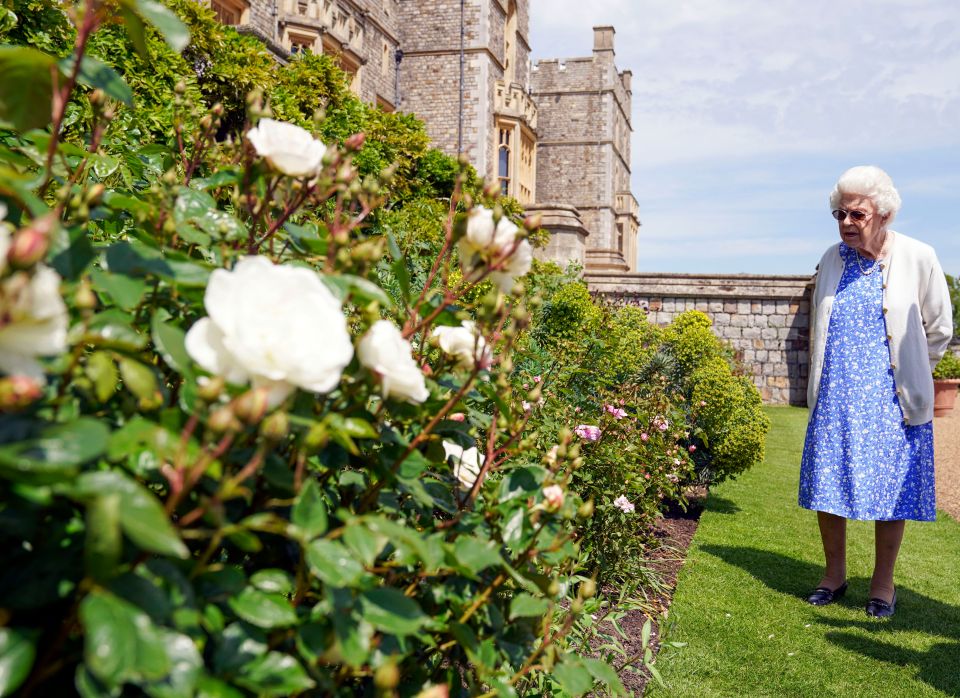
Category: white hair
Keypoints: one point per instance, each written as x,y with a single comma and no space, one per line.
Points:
869,181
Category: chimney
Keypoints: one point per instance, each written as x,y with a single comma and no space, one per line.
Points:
603,42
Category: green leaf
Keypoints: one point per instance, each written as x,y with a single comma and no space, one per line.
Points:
346,285
104,542
473,554
170,341
55,453
102,372
354,637
197,208
364,543
309,512
528,606
136,30
333,563
209,687
114,328
389,610
27,78
185,667
18,649
604,673
126,291
275,674
573,676
96,74
263,610
273,581
142,517
71,252
141,381
174,32
121,642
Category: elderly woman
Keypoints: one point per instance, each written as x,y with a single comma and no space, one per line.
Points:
880,322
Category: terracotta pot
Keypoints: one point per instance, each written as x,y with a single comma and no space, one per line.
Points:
944,395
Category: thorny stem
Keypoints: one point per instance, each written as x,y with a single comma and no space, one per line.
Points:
61,94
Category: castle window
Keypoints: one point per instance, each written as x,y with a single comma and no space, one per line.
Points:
231,12
347,62
300,44
510,44
505,155
526,172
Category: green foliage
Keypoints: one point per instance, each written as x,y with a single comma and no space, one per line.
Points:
948,367
568,316
182,518
953,284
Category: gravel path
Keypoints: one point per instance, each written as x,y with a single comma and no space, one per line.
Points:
946,442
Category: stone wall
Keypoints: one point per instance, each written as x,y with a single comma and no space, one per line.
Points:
765,319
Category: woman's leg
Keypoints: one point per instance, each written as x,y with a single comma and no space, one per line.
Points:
833,532
889,535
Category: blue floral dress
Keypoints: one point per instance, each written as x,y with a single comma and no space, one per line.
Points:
860,459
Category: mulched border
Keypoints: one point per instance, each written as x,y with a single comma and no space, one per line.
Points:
674,532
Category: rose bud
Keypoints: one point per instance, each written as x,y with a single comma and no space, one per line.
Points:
252,405
210,389
553,496
588,589
17,392
492,190
440,691
457,417
355,142
275,427
30,244
223,420
533,222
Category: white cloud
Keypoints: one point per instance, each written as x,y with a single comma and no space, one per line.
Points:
815,84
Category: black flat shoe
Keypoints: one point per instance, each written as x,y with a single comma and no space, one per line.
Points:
878,608
822,596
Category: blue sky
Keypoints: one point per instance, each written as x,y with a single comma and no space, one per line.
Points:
745,112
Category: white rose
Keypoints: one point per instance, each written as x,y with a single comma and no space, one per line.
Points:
517,265
487,243
33,319
385,352
287,147
466,463
275,326
465,344
480,228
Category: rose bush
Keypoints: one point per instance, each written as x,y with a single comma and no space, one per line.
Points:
249,471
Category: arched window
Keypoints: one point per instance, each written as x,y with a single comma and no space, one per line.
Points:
504,165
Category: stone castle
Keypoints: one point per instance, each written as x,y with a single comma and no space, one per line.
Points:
555,134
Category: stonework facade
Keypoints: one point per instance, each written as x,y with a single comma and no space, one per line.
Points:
556,135
765,319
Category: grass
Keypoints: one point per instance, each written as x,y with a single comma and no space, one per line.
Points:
739,601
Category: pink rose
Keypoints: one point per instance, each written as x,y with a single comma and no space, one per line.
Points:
587,432
615,411
457,417
692,448
644,436
553,496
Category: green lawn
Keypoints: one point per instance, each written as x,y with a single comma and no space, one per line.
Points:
739,601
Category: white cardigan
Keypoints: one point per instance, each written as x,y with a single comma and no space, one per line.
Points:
916,303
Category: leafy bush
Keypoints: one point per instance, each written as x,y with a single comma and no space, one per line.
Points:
730,420
248,447
948,367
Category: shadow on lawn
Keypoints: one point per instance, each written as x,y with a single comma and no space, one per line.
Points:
938,666
721,505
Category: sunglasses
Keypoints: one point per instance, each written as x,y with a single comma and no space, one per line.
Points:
840,214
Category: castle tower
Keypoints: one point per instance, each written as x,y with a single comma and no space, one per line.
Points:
583,149
464,71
